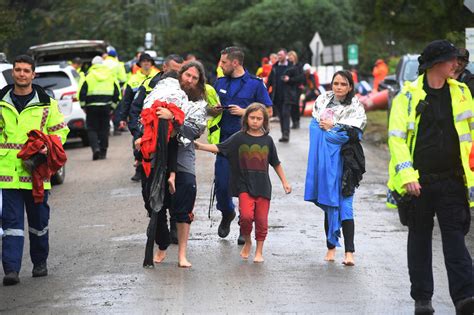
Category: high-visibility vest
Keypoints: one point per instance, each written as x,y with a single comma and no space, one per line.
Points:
213,123
403,128
101,85
41,113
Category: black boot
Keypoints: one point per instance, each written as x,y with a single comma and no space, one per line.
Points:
465,306
40,270
95,155
224,226
11,278
138,174
423,307
241,240
103,154
296,125
284,138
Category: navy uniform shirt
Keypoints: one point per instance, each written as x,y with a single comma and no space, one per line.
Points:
241,91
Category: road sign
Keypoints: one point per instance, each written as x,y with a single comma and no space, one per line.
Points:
469,4
333,54
470,42
316,45
353,54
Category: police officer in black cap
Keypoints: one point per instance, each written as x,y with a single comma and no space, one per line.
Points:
462,74
430,139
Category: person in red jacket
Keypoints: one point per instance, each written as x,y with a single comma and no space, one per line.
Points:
379,72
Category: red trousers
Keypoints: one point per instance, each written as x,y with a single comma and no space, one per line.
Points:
254,209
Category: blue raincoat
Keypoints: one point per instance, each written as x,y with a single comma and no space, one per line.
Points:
324,177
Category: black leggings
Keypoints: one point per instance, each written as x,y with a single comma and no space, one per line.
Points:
348,232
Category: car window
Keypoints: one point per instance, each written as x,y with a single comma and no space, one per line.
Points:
411,70
52,80
7,74
75,74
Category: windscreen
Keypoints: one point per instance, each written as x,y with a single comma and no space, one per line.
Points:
52,80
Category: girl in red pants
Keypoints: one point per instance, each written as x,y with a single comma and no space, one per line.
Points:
250,151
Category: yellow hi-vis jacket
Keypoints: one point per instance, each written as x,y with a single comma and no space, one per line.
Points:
403,128
41,113
99,88
213,123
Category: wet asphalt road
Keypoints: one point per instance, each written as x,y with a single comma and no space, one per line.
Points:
97,237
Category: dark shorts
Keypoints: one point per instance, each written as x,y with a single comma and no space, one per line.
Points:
184,198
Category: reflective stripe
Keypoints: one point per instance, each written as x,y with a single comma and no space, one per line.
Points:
38,233
57,127
100,92
465,137
411,126
11,146
44,118
14,232
29,179
403,166
6,178
464,115
397,133
390,198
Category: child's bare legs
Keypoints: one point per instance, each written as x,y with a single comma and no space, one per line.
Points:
183,235
171,183
245,252
160,255
330,255
259,252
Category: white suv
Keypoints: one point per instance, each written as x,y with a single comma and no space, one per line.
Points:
61,82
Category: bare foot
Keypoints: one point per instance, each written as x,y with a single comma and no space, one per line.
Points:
330,255
160,255
349,259
184,263
245,252
258,259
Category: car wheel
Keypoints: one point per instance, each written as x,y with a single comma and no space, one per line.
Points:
58,178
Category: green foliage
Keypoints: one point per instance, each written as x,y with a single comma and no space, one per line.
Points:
259,26
381,28
121,25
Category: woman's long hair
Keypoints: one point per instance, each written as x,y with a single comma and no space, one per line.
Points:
348,76
254,107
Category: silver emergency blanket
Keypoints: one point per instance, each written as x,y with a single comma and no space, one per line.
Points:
352,114
169,90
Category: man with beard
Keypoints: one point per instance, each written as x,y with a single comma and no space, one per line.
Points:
172,63
188,93
237,89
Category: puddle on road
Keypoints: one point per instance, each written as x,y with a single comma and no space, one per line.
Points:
125,192
135,238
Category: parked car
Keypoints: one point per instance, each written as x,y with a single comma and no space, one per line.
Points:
5,79
407,70
5,74
61,82
64,51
